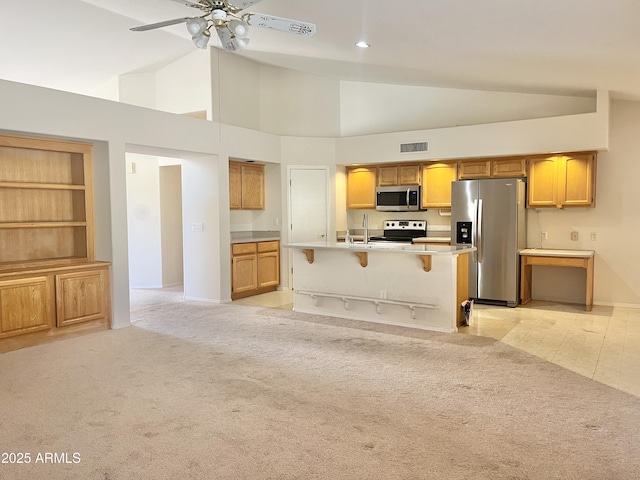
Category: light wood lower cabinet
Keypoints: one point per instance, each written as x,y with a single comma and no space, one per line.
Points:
255,268
50,303
80,296
26,305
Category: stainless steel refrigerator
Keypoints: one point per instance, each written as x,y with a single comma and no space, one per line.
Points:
490,214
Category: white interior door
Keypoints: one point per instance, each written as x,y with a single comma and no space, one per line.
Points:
308,205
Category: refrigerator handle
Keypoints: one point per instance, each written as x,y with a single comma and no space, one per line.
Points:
474,236
480,244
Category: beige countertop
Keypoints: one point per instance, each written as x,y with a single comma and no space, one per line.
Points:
551,252
432,239
255,236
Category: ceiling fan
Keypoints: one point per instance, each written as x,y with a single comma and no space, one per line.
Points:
230,24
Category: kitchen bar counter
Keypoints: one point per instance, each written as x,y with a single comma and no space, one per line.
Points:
555,258
394,248
420,286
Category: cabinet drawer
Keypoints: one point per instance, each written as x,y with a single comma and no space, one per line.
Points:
243,248
272,246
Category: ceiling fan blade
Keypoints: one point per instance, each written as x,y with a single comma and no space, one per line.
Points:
192,4
280,24
241,4
166,23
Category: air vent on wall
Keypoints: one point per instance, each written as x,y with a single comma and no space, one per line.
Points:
414,147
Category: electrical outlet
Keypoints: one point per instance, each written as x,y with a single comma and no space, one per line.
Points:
574,236
544,236
594,236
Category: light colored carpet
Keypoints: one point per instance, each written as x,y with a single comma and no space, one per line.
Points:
196,391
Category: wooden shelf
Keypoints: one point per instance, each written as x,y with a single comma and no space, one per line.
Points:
42,186
42,224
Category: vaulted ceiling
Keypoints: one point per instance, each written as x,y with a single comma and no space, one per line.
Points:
540,46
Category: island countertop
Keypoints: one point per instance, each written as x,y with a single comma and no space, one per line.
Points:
421,249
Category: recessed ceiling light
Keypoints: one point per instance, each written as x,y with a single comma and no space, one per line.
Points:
362,44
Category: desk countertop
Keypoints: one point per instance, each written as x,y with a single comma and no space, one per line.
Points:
548,252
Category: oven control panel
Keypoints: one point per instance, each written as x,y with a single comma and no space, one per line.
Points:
405,225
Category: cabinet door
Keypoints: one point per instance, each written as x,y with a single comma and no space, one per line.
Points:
253,187
576,180
543,182
268,269
235,186
508,167
408,174
387,176
436,184
474,169
361,187
26,305
82,296
244,273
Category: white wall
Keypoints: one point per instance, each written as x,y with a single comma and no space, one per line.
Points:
143,214
588,131
185,85
298,104
171,228
235,86
367,108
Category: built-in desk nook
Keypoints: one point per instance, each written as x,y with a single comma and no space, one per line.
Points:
555,258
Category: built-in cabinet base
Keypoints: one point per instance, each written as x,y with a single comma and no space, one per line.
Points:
41,305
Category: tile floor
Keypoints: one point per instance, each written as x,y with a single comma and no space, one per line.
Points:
603,344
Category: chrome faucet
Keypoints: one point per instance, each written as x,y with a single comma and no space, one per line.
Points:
365,225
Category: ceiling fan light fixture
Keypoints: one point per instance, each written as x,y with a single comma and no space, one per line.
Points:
240,43
362,44
239,28
196,25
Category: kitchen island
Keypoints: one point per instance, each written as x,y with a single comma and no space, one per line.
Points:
419,286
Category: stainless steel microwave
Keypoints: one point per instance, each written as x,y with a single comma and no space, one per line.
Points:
398,199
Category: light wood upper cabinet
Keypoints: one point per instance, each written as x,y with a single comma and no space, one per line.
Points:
246,186
390,175
562,181
474,169
235,186
542,183
387,176
492,168
409,175
361,187
436,184
577,180
509,167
